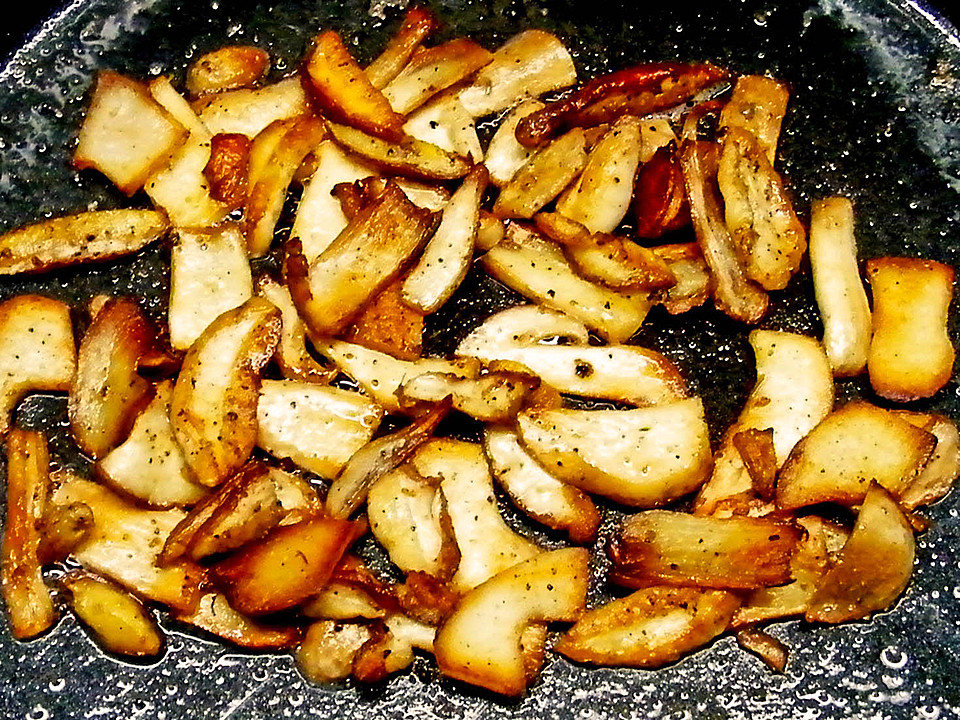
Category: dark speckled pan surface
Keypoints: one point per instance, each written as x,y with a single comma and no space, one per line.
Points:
875,114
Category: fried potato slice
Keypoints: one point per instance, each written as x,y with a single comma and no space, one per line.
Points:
62,529
249,110
214,403
227,68
149,464
662,547
390,649
181,189
496,396
433,70
118,622
387,324
759,214
480,643
874,566
215,615
37,351
418,24
408,157
851,448
29,605
365,257
911,355
291,356
650,628
734,293
841,298
757,105
938,475
543,177
342,601
319,428
642,457
328,650
381,375
487,544
600,197
530,63
349,490
536,492
107,393
447,255
524,325
505,155
537,269
343,93
227,169
445,123
288,566
85,237
271,170
694,283
125,542
126,134
407,517
162,90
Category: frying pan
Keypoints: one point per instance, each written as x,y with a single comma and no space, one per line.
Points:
875,114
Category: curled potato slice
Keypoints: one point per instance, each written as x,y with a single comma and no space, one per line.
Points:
227,68
938,475
496,396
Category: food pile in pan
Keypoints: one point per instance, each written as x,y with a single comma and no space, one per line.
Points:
240,455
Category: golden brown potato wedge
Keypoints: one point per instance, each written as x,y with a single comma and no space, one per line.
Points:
125,542
480,643
214,403
911,355
118,621
215,616
227,68
29,605
418,24
530,63
408,157
601,196
447,255
836,279
650,628
107,393
445,123
365,257
249,110
149,464
642,457
37,351
375,459
487,544
228,167
288,566
874,566
319,428
769,236
757,104
328,650
851,448
496,396
387,324
537,269
86,237
543,177
432,70
662,547
126,134
536,492
759,456
734,293
938,475
343,93
505,155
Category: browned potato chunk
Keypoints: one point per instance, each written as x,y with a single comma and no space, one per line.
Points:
107,393
27,598
85,237
874,566
387,324
126,134
227,68
911,355
494,397
480,643
118,621
650,628
214,402
215,616
288,566
227,169
757,105
674,548
854,446
36,350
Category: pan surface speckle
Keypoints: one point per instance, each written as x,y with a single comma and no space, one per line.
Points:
875,114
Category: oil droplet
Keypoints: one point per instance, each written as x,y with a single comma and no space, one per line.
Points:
39,712
57,685
893,658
